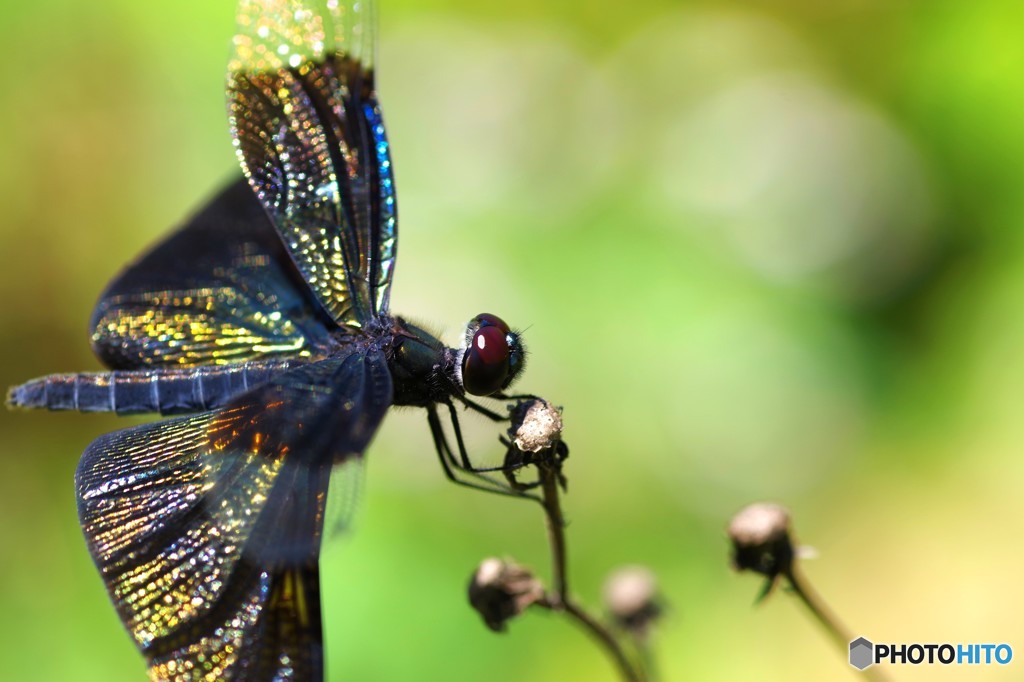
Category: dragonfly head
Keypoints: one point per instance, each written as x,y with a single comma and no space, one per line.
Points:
492,356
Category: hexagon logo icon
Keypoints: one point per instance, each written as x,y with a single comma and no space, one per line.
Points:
862,653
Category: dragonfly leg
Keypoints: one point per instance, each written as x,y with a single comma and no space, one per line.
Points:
466,465
476,407
477,480
516,397
506,468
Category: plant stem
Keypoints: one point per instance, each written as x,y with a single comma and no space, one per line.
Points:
826,618
552,504
560,599
605,638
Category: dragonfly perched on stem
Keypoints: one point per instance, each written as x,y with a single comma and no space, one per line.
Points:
264,325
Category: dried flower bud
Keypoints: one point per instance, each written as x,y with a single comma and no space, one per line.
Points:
536,426
631,597
535,437
761,542
500,590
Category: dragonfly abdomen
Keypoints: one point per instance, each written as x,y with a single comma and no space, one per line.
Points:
159,390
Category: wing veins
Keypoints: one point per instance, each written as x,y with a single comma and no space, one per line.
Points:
226,604
345,188
160,539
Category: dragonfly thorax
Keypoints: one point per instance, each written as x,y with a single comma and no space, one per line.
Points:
425,371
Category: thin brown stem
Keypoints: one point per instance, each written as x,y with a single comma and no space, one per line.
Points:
551,501
642,644
560,598
602,635
828,620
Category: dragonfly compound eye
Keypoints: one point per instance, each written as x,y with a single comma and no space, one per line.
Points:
492,357
485,363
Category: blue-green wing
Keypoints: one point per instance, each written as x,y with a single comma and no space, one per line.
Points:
206,529
310,139
221,289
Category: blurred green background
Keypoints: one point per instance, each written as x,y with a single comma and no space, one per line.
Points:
763,250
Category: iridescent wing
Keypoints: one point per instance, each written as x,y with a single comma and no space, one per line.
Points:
310,139
206,529
222,289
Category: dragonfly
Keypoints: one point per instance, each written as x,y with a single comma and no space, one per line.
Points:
261,328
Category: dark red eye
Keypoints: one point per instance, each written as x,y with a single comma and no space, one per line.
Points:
488,320
485,361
